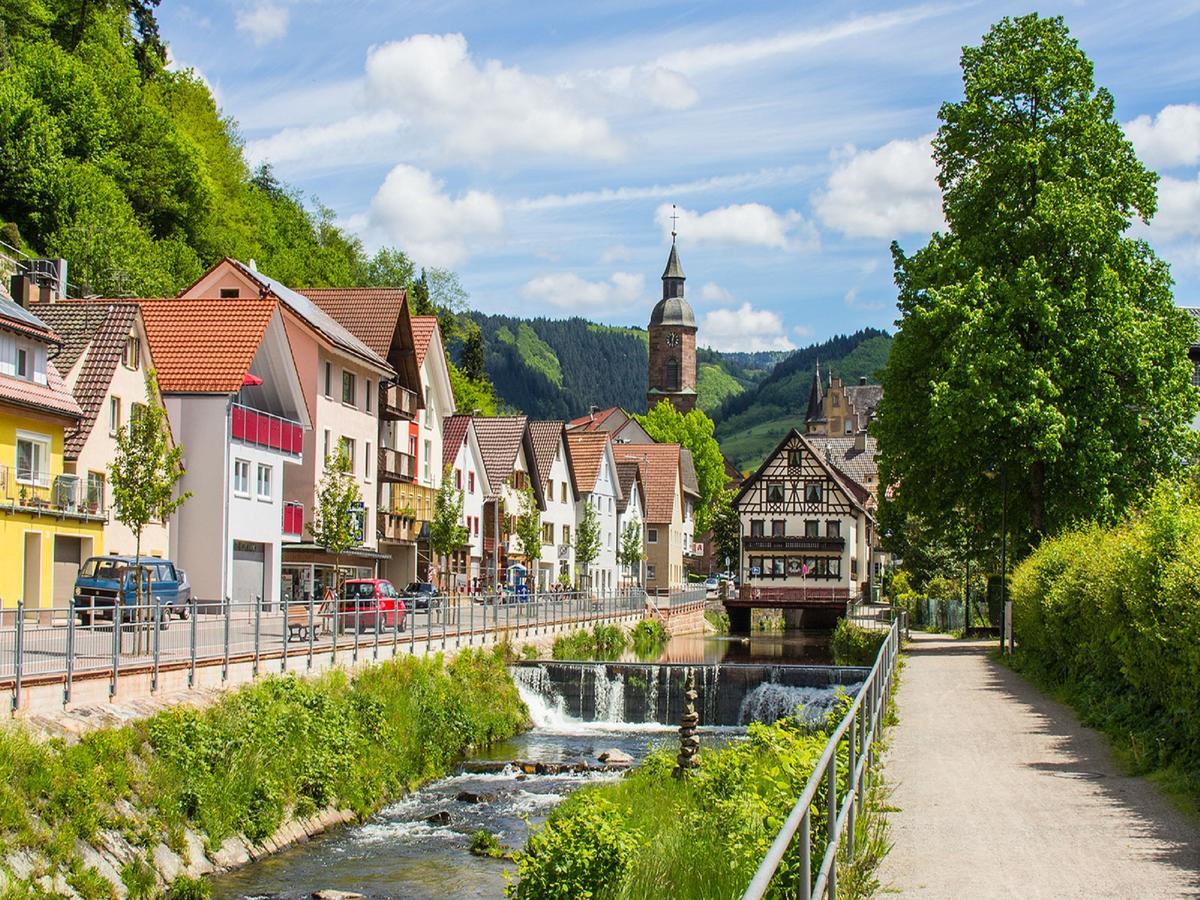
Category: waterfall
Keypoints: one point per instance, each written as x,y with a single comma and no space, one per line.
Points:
610,696
771,701
547,707
652,694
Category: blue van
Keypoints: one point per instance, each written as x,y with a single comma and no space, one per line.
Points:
100,580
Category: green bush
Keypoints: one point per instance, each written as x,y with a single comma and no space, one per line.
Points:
185,888
854,645
718,619
1111,616
604,642
649,637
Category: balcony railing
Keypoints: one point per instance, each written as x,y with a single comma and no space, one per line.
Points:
293,519
394,527
251,426
397,466
795,542
396,402
39,491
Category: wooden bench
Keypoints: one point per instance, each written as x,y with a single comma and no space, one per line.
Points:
298,624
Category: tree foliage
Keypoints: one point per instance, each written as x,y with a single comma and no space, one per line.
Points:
693,430
447,533
335,527
726,525
587,538
631,551
529,529
1036,338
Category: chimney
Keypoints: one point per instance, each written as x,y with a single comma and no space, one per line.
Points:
22,290
862,379
860,440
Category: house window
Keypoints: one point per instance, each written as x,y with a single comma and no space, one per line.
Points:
348,387
1196,373
428,466
22,362
812,528
328,379
549,491
133,352
778,528
651,535
347,446
95,492
264,482
458,479
775,492
547,533
230,293
566,534
812,492
367,462
241,477
33,459
563,492
836,401
519,480
368,396
833,529
757,527
114,415
326,453
470,482
651,572
795,458
136,411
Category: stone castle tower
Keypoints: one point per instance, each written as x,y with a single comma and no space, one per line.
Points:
673,342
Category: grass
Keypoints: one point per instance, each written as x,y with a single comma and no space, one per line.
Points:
535,352
279,747
648,638
718,619
604,642
713,385
484,843
854,645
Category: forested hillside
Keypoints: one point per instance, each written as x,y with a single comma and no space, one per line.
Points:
129,171
752,423
558,368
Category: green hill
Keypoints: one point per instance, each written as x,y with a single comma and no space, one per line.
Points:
751,423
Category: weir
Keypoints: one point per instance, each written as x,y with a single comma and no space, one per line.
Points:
730,694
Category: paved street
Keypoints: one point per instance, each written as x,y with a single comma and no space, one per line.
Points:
1002,793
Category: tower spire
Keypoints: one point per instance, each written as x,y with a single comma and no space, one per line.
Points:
674,219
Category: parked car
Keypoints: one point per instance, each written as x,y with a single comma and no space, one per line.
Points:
423,594
712,586
370,603
102,578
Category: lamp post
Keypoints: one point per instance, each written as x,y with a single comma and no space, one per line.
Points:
1005,611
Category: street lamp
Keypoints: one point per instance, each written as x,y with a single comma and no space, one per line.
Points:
1005,610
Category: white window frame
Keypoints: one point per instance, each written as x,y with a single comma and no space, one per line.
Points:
349,389
264,469
132,356
40,463
651,535
241,482
22,367
114,416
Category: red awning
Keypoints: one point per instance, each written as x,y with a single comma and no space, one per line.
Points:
249,380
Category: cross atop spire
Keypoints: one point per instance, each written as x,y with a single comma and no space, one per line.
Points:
674,219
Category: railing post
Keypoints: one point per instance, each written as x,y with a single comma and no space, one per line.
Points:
444,609
70,652
257,632
118,602
375,648
285,606
805,892
396,624
831,827
225,661
192,629
157,618
471,632
357,629
19,651
852,794
312,620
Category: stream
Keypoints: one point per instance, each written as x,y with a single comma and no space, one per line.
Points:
579,710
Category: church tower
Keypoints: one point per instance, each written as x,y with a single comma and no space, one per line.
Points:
673,342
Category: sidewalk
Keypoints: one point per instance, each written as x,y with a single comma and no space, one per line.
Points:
1002,793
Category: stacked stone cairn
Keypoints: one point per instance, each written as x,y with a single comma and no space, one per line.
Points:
689,740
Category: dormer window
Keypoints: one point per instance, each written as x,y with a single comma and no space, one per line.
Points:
22,362
133,352
230,293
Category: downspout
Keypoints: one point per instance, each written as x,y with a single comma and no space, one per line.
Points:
226,550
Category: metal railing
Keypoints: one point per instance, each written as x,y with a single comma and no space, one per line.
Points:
263,429
859,729
396,402
40,645
396,465
40,491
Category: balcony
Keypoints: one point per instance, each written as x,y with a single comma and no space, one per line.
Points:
396,466
251,426
396,402
26,490
823,544
293,519
396,527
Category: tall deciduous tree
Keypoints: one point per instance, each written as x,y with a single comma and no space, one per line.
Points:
587,539
726,529
631,551
693,430
1036,338
529,533
336,527
145,471
446,530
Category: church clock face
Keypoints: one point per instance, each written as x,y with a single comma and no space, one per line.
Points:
672,338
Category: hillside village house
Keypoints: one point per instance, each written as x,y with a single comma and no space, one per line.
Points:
339,377
508,458
595,471
622,427
559,510
659,470
46,528
234,401
463,459
631,508
106,362
437,402
379,317
805,527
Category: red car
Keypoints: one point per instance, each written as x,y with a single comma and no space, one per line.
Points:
370,603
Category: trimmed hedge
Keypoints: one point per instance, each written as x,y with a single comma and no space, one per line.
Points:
1111,616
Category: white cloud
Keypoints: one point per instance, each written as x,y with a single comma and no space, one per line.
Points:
802,331
480,109
884,192
1178,208
851,299
1171,138
566,290
740,223
335,143
264,22
660,87
412,211
616,253
743,329
711,292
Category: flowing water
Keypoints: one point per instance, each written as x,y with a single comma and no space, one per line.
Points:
399,852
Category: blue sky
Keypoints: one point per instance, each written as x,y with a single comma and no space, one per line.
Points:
537,149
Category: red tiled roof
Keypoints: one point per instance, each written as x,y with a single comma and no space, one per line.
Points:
454,433
205,346
423,328
545,437
500,440
52,397
659,470
102,326
593,421
370,314
587,453
628,474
